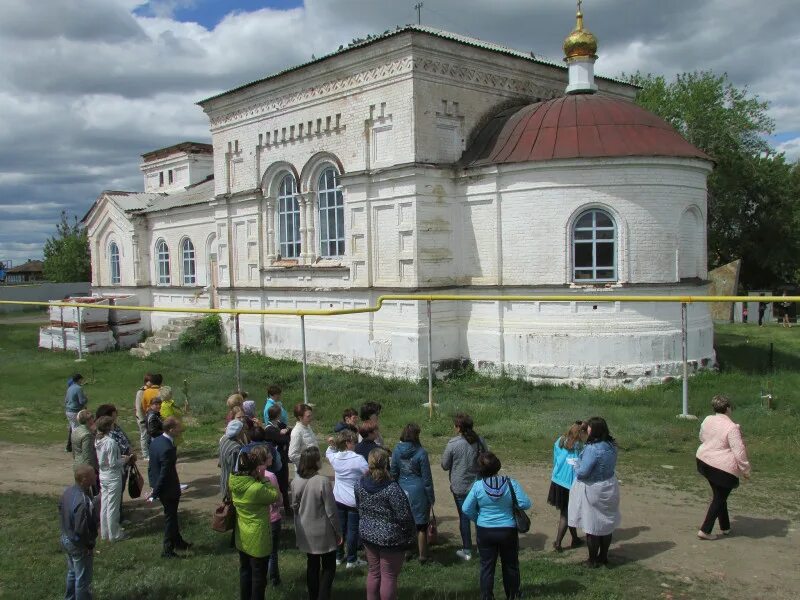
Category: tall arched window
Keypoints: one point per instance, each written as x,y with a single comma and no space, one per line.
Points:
162,262
594,247
331,214
113,253
189,275
288,218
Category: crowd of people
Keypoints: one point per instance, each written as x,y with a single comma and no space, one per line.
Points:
377,512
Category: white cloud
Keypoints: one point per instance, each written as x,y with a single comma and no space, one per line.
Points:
791,148
86,86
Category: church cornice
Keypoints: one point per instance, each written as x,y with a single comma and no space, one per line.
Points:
450,70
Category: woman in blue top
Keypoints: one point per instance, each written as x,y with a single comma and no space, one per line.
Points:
411,468
489,503
566,451
594,497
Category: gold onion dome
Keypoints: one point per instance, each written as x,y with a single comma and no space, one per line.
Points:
581,42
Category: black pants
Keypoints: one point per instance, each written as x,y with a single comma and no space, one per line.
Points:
718,509
598,546
283,485
502,542
320,571
252,577
172,534
273,571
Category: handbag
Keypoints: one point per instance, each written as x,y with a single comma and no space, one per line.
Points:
521,518
135,482
224,517
433,530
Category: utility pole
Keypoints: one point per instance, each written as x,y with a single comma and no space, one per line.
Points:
418,7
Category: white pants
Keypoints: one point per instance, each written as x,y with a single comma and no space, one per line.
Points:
110,500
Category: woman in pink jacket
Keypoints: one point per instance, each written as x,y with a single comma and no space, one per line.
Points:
721,459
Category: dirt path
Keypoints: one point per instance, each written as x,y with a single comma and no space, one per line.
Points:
760,560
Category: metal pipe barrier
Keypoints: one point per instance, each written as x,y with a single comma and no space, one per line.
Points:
684,301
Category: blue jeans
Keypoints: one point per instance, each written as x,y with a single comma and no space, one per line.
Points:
463,523
79,571
348,521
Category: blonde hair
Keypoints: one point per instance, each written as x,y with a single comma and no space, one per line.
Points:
165,393
234,400
379,464
344,437
236,412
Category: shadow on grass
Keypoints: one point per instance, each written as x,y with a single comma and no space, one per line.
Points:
624,554
628,533
566,587
756,528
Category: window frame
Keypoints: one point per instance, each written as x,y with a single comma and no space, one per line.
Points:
163,270
115,269
593,242
189,275
288,215
327,193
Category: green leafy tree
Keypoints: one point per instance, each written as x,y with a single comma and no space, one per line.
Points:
752,192
66,254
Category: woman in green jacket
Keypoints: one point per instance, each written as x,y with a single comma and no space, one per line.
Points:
253,534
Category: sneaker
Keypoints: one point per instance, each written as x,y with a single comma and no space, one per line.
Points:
357,564
705,536
121,537
184,487
339,562
726,532
464,554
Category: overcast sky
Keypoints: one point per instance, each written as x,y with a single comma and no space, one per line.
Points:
86,86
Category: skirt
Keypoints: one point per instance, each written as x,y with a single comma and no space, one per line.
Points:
594,507
558,496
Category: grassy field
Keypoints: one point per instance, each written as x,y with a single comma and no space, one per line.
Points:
33,568
518,420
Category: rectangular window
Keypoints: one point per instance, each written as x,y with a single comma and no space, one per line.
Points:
169,176
161,178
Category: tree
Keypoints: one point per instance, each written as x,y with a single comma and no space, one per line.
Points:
752,192
66,254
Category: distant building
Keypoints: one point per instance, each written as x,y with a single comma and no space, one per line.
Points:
33,270
423,161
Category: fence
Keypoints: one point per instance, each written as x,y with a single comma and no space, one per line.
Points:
684,301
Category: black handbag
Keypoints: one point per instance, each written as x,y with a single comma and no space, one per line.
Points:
135,482
521,518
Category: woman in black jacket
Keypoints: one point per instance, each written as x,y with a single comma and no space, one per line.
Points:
386,526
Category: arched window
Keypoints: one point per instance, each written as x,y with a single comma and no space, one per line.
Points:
187,248
288,218
594,252
162,262
331,214
113,253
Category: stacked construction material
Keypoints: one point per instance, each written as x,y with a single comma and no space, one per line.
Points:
126,325
65,322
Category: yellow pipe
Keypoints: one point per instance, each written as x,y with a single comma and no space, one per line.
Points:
595,298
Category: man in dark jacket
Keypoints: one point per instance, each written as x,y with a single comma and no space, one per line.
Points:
277,432
163,476
79,512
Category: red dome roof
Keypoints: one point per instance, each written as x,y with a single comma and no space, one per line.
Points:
576,126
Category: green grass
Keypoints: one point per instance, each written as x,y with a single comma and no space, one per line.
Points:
519,420
34,567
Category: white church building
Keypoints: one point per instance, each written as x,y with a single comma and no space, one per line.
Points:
426,162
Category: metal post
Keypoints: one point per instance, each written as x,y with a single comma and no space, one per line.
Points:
430,363
685,359
238,354
63,331
80,338
305,367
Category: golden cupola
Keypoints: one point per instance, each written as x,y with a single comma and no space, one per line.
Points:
581,43
580,53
